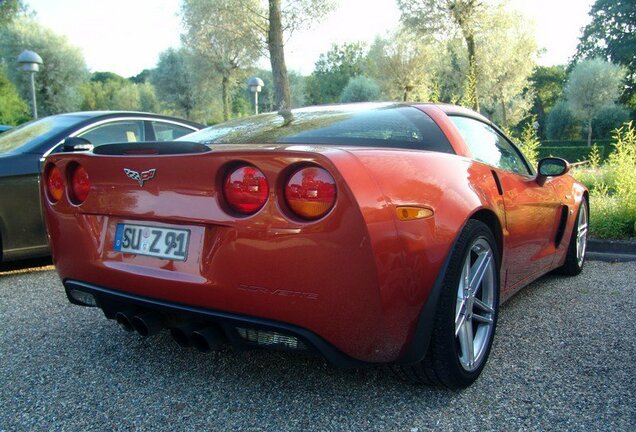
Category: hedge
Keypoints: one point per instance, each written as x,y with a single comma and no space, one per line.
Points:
574,154
574,143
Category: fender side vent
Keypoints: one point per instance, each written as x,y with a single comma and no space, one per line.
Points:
497,182
561,228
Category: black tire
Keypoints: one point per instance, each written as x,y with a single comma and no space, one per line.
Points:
442,365
573,265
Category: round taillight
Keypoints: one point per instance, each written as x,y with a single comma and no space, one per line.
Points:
80,184
310,192
245,189
54,184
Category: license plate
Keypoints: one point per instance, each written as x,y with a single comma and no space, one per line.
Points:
167,243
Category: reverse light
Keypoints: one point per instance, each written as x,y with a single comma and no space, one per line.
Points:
270,339
245,189
80,184
54,183
310,192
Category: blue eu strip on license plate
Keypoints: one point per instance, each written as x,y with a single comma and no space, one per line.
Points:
166,243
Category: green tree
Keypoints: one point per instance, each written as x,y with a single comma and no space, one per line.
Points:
10,10
608,120
360,89
60,78
612,35
400,63
333,70
217,31
440,17
548,83
286,17
13,110
561,123
592,86
174,81
508,51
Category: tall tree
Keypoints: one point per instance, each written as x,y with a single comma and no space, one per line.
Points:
592,86
218,31
333,70
13,110
548,83
612,35
10,9
507,50
174,81
284,17
440,17
400,63
60,77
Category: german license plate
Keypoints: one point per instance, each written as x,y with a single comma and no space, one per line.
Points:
167,243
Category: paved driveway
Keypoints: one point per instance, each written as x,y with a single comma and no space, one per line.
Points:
564,358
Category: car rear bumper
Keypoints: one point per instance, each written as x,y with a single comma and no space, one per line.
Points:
173,314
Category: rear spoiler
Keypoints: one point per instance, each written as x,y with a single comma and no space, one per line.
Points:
151,148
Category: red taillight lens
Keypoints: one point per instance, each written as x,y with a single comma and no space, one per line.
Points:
245,189
80,184
311,192
54,184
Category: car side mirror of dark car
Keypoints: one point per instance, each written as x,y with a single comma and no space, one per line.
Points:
551,167
73,144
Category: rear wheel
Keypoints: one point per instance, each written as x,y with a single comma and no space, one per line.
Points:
466,316
575,257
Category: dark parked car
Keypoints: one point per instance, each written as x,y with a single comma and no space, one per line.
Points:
22,150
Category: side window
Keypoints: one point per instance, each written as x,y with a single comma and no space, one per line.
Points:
169,131
115,132
488,146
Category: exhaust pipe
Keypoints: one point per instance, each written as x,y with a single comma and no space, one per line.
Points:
123,319
207,339
147,324
182,334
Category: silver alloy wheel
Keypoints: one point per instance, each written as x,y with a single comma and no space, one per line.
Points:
581,234
475,309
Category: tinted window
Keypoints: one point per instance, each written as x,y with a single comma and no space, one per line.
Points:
488,146
169,131
375,125
115,132
30,135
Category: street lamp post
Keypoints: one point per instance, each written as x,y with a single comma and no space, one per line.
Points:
256,85
30,62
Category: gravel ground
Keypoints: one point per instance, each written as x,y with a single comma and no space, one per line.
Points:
564,358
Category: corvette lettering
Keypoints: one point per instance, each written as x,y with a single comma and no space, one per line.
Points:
279,292
142,177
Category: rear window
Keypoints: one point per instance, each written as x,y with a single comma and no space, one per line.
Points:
375,125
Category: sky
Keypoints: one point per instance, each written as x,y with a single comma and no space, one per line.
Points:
126,36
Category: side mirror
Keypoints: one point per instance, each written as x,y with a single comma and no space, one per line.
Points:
72,144
551,167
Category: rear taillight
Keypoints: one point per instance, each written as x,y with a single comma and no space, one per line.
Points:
80,184
245,189
54,183
310,192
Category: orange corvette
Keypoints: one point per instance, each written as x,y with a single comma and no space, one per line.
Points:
367,233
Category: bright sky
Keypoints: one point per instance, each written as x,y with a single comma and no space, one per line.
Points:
126,36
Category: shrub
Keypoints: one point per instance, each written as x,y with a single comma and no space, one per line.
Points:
613,188
608,120
529,142
360,89
561,123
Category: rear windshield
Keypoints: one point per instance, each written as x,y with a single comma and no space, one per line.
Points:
30,135
377,125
